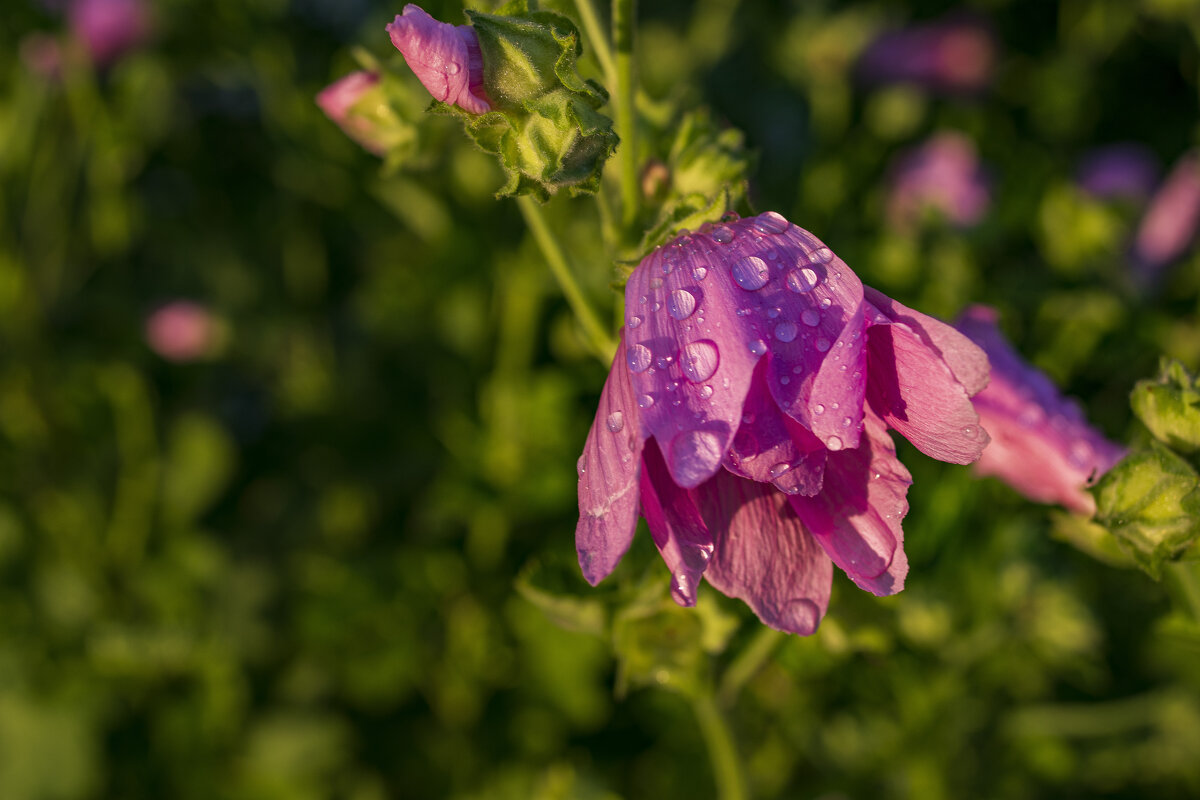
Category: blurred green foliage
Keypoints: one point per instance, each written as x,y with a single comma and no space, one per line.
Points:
318,563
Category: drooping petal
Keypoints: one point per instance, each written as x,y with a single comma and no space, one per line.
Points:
441,55
1041,444
912,383
771,447
1171,220
704,309
856,518
763,555
679,531
608,477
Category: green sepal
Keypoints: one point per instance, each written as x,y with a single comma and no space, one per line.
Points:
1170,406
1150,501
685,214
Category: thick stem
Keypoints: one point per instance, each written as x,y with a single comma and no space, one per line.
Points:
596,333
595,34
722,752
624,14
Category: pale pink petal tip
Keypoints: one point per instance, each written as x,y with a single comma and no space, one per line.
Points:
445,58
1041,444
182,331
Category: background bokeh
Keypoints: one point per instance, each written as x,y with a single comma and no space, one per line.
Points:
330,555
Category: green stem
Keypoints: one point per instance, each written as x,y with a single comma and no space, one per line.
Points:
624,14
747,664
596,333
1187,576
595,34
722,752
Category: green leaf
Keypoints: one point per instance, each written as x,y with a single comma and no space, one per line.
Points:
1170,406
1151,502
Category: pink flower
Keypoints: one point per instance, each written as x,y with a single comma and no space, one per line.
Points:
1041,444
338,101
943,175
182,331
446,58
1118,170
746,416
109,28
1169,224
953,55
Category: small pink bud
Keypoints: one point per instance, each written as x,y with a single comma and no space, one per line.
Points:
109,28
1169,225
182,331
338,100
446,58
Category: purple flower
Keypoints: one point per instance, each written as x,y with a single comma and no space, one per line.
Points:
1119,170
1169,224
446,58
109,28
1041,444
182,331
943,175
952,55
338,101
746,416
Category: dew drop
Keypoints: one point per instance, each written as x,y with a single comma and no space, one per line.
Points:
771,223
616,421
833,443
810,318
779,469
798,369
819,409
757,347
657,305
681,304
722,234
706,392
772,313
786,331
744,312
656,283
970,431
700,273
823,344
803,280
822,256
826,302
452,68
845,422
645,401
785,380
634,322
699,360
638,357
751,273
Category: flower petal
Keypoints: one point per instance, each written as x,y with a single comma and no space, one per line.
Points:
856,517
914,389
1041,444
679,531
702,310
608,477
763,555
771,447
439,55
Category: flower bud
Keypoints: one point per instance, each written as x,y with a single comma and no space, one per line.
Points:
358,104
1170,407
444,57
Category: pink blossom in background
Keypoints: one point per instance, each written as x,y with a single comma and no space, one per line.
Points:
944,175
445,58
951,55
1119,170
182,331
42,55
338,100
1169,225
109,28
1041,444
746,415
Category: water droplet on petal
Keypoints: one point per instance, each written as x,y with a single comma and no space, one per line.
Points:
798,369
744,312
845,422
771,223
645,401
822,256
1080,453
833,443
616,421
779,469
803,280
970,431
810,318
681,304
786,331
634,322
819,409
657,305
638,357
822,344
699,360
706,392
700,273
758,347
722,234
751,273
826,302
785,380
656,283
452,68
772,313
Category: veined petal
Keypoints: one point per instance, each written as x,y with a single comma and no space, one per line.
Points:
857,516
679,531
439,54
771,447
763,555
608,477
914,388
